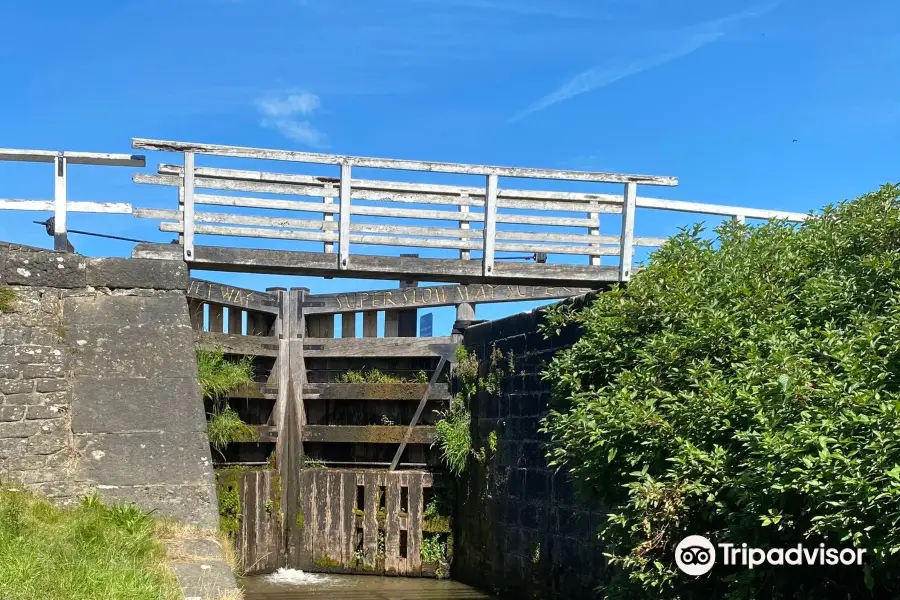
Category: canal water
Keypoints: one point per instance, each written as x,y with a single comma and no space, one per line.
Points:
290,584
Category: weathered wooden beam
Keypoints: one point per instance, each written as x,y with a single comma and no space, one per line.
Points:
389,163
246,345
376,391
289,262
438,295
372,434
73,158
254,391
228,295
372,347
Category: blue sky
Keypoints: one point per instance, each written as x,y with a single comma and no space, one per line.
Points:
711,92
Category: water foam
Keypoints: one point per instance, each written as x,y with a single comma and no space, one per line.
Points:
295,577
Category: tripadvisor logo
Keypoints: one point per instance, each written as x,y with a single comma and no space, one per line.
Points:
695,555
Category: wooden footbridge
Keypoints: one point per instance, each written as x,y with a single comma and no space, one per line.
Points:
356,470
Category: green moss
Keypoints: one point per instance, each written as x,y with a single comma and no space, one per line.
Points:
492,442
7,300
368,376
299,520
228,486
359,512
438,524
326,562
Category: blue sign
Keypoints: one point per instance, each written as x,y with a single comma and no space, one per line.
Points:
425,325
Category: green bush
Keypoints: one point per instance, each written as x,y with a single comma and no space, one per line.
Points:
225,427
746,389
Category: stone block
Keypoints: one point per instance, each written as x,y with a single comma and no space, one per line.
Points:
21,429
193,504
16,386
129,459
212,579
45,412
43,371
12,413
45,269
137,404
137,273
127,311
51,385
537,485
114,351
11,448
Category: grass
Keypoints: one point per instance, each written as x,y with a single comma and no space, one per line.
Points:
453,436
220,376
7,300
225,427
91,551
377,376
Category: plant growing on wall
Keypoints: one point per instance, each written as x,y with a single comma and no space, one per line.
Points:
225,427
220,376
7,299
746,389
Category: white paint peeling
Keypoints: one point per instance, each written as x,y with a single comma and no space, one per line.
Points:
81,342
98,454
23,272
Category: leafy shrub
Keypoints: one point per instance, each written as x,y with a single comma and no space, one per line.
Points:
746,389
434,549
452,435
220,376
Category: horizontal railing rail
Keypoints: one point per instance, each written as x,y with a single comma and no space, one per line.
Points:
61,205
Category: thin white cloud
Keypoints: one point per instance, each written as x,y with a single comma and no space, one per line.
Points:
688,41
285,115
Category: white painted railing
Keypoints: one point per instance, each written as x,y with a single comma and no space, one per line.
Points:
61,205
491,201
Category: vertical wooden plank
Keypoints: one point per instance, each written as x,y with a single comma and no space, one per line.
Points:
323,510
188,185
308,511
320,326
370,324
403,524
344,225
195,309
626,251
60,211
391,323
235,320
216,318
392,526
328,217
335,524
490,224
594,217
257,324
348,325
407,320
464,224
348,517
370,520
414,536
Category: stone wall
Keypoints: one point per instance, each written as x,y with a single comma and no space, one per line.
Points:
520,531
98,383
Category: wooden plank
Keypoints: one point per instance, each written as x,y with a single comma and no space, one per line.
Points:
231,296
370,324
438,295
489,243
370,519
73,158
71,206
258,324
372,347
414,525
719,209
235,321
336,518
328,199
407,392
308,508
626,249
344,218
407,165
290,262
195,309
392,526
391,324
348,325
348,517
320,326
216,318
187,218
245,345
323,509
371,434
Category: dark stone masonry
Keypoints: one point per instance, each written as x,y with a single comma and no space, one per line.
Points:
520,529
98,384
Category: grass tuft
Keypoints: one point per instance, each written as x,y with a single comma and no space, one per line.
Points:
7,300
453,436
377,376
220,376
226,427
89,551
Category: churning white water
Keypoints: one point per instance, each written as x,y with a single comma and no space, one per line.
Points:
295,577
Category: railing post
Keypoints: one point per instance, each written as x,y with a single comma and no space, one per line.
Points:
595,230
626,253
490,224
344,222
464,224
60,239
188,215
328,199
